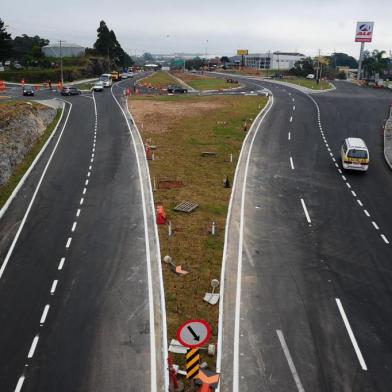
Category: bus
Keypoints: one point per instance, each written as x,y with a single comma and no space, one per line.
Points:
106,80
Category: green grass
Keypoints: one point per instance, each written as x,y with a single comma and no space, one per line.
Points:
159,79
182,128
20,170
210,84
84,86
312,84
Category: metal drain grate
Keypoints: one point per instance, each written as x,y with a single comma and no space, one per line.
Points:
185,206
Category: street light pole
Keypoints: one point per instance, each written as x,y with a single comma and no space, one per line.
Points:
61,63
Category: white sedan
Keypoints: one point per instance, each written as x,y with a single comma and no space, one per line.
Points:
98,86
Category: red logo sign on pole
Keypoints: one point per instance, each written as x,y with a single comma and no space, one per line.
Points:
364,32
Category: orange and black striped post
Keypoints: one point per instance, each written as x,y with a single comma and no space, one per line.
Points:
192,363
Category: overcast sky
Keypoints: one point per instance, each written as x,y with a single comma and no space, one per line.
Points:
200,26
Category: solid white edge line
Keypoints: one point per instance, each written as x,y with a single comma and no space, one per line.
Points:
19,385
239,264
305,211
31,167
33,347
290,361
224,257
153,376
44,314
351,335
11,248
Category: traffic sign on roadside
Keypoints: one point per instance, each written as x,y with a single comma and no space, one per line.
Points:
193,333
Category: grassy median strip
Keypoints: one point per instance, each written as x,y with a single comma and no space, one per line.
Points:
203,82
20,170
159,79
309,83
194,138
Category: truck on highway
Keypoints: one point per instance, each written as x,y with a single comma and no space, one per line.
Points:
115,76
106,79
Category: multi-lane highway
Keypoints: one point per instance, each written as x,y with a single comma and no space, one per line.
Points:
307,292
306,298
79,294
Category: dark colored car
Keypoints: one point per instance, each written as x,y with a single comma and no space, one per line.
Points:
176,89
70,91
28,90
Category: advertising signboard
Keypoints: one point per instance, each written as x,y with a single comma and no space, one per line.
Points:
242,52
364,32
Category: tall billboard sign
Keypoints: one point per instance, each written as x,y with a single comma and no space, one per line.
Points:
364,32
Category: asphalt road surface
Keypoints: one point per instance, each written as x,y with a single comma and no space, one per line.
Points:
314,288
74,308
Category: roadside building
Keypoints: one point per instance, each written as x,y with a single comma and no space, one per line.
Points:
67,50
270,60
285,60
258,60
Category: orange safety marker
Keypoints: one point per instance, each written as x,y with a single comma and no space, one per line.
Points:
207,380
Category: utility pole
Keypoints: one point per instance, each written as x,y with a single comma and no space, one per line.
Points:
61,63
318,67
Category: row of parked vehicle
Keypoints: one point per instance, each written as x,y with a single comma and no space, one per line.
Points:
66,91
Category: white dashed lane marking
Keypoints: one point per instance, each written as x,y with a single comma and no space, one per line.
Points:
44,314
33,347
73,226
291,163
366,212
68,242
306,211
78,212
61,264
54,286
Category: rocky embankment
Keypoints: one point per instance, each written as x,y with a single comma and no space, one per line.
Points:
21,125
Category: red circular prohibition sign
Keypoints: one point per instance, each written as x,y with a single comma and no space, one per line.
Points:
190,326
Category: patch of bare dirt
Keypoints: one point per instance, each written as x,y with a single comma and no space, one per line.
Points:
159,117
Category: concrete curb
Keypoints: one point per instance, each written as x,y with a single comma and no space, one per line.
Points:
36,159
296,86
388,139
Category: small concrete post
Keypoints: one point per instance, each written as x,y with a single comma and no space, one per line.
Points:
154,184
213,228
153,156
231,158
169,228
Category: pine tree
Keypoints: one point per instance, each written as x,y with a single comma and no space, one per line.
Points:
5,43
103,44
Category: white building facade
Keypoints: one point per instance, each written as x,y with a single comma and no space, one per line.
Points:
275,60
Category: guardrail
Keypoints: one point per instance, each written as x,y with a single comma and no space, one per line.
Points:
388,139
